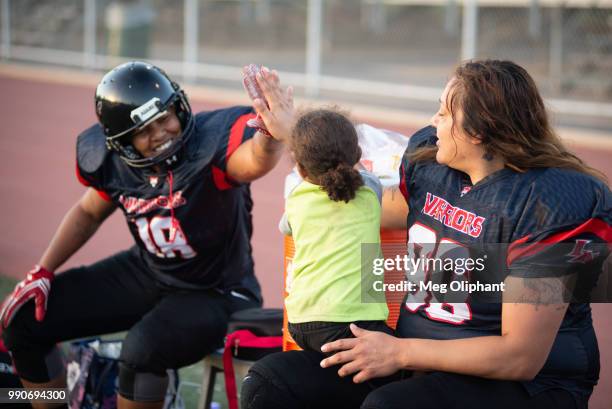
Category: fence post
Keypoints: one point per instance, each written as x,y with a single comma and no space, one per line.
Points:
469,30
190,40
535,19
6,29
313,47
262,11
556,49
451,15
374,16
89,34
245,12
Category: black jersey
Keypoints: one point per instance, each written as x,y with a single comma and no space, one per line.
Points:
553,221
211,247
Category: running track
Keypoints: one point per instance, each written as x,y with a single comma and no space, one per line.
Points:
40,121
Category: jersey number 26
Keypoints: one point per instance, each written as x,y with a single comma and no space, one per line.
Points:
423,244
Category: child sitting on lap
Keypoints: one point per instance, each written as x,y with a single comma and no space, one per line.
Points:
331,211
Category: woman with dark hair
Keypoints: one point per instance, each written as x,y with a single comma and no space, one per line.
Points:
489,171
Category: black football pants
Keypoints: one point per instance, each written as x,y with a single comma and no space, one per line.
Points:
167,327
295,380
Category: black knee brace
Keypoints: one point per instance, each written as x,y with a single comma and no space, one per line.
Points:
35,360
258,392
38,366
141,386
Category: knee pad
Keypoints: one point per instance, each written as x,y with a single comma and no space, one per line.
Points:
254,388
258,392
35,361
375,400
141,386
38,365
143,352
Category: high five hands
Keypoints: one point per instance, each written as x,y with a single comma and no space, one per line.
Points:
273,104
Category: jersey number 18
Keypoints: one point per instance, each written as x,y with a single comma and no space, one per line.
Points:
155,234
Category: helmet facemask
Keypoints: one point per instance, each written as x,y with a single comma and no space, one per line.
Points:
143,116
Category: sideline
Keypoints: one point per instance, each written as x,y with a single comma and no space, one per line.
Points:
575,137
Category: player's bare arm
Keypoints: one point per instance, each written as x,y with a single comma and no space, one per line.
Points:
511,356
78,225
254,158
394,209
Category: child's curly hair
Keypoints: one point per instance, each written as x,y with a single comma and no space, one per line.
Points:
325,145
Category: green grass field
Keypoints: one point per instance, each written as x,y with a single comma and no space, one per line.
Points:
190,377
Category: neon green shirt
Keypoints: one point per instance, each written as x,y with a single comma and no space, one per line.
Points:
326,280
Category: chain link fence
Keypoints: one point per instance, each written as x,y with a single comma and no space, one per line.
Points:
379,45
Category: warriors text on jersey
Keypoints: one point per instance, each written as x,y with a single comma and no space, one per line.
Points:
553,206
211,244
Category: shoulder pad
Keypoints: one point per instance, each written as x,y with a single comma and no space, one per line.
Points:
554,185
560,196
91,149
422,137
221,120
212,129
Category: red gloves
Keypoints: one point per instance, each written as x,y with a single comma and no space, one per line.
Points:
254,90
37,285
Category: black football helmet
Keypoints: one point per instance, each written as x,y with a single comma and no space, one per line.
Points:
131,96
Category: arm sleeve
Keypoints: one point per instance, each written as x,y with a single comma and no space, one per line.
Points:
562,238
292,181
230,131
564,209
562,251
284,225
371,181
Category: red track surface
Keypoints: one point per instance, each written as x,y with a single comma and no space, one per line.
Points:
40,122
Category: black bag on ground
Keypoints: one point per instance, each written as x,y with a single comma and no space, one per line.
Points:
92,376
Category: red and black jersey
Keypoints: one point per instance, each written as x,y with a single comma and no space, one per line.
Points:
542,223
211,248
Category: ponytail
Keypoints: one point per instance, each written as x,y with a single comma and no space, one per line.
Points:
341,182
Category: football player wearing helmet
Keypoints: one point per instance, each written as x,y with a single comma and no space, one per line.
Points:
489,172
181,181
